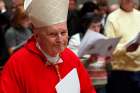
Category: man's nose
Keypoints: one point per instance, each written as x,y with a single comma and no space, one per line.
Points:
59,37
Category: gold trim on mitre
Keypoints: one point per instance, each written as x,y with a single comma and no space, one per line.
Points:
47,12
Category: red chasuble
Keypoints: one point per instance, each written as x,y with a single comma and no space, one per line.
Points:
27,72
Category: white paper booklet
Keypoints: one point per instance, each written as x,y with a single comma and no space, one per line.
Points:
96,43
69,84
136,39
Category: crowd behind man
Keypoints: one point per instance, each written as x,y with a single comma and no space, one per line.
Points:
110,26
11,22
45,64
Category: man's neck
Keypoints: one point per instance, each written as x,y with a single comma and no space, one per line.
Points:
51,59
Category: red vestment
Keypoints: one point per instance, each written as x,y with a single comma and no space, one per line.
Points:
27,72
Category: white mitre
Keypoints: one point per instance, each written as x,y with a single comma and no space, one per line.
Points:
46,12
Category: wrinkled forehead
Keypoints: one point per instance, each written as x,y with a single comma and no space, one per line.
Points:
53,28
58,27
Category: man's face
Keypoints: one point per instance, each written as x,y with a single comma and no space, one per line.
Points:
127,5
52,39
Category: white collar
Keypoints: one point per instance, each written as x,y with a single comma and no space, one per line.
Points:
52,60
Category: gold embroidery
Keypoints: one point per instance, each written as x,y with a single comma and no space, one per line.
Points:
58,72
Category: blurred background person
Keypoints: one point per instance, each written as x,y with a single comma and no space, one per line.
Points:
19,32
88,6
18,3
98,74
4,24
103,10
4,15
88,21
125,23
73,21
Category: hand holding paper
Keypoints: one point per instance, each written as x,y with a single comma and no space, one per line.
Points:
133,47
96,43
133,44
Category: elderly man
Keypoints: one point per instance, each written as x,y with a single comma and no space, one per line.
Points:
125,74
44,64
